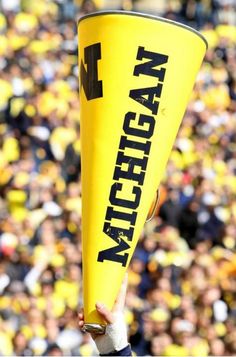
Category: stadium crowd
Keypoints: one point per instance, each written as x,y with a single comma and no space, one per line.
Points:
181,299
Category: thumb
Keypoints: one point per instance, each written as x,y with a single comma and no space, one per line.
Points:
105,312
120,300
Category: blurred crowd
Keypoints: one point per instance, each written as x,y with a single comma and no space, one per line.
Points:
181,299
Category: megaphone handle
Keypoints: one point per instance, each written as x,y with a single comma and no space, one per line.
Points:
97,329
155,206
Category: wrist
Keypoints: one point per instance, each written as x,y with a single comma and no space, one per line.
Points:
124,352
115,338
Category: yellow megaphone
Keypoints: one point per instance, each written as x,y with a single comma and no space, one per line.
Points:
136,75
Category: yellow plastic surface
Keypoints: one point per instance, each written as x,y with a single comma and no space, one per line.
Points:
149,120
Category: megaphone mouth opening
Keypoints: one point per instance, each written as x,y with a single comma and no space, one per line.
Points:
140,14
97,329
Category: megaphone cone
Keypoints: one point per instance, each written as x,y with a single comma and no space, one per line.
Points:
136,76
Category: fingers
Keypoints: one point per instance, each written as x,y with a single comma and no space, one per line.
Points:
120,300
81,315
81,324
81,319
106,314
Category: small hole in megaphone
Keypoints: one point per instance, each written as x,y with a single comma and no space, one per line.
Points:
153,208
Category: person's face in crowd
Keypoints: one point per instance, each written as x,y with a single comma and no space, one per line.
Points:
48,239
211,333
203,247
167,273
21,299
46,195
210,296
194,206
149,244
155,297
55,351
164,284
212,270
47,282
230,230
88,6
159,343
232,341
52,328
19,342
47,226
137,265
174,195
71,254
132,296
147,324
47,275
186,303
75,218
69,319
203,321
2,267
47,288
74,273
217,347
197,279
60,224
190,315
74,190
182,330
159,327
35,317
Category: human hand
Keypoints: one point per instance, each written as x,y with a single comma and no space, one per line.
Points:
115,336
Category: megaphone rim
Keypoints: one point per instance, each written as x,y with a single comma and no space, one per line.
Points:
149,16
